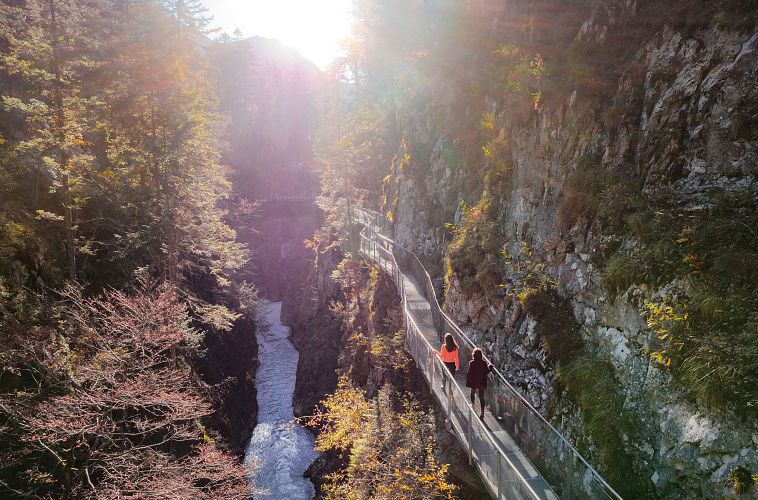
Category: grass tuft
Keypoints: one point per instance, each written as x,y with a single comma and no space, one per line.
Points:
591,384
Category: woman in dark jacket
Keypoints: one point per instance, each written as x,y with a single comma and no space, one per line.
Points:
476,379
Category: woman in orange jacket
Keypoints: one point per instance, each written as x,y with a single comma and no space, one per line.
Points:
449,354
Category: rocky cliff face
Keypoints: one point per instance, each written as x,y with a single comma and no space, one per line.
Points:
312,299
681,121
228,367
316,330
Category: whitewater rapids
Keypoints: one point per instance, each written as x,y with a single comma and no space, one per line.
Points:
280,450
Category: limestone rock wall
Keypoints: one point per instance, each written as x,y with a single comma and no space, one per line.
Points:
683,118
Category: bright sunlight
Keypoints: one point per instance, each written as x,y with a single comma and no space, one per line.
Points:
315,29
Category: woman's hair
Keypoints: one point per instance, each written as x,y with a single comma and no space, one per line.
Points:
476,353
450,344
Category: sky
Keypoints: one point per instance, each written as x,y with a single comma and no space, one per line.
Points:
312,27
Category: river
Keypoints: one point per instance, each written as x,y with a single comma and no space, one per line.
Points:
280,450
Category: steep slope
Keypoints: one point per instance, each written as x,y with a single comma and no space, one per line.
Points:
583,181
340,340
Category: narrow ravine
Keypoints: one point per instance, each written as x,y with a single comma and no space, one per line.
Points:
280,450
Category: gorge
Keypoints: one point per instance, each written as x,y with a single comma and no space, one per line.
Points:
279,450
180,269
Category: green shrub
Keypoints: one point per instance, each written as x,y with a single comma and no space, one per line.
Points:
620,195
713,351
620,272
526,274
591,384
475,239
581,195
556,326
717,359
594,192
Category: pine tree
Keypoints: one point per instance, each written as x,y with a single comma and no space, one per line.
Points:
48,57
164,166
189,13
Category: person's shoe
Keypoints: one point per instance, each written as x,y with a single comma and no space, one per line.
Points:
481,415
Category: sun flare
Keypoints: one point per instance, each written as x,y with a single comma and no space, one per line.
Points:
315,29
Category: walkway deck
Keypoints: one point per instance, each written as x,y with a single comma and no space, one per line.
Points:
500,459
468,428
423,320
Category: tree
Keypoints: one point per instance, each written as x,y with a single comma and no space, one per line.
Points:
163,166
390,452
188,13
110,128
120,415
48,55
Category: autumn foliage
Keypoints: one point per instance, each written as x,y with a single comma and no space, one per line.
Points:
106,405
110,170
389,442
373,422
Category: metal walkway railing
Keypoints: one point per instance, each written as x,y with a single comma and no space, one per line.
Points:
304,197
518,453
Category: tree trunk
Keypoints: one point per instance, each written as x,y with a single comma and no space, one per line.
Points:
60,124
69,222
173,256
35,188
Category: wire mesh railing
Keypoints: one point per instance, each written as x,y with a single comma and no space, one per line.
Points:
500,474
559,463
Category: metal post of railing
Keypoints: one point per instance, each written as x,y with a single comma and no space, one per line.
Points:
432,375
470,440
449,399
402,292
499,474
418,363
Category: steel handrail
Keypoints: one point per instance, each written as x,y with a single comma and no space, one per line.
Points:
488,432
490,436
500,376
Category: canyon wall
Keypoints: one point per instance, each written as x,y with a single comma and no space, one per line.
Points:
228,367
549,216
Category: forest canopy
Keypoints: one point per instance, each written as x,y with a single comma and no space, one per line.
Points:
117,253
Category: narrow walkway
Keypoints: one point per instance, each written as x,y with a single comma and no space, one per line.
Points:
423,320
508,474
518,453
